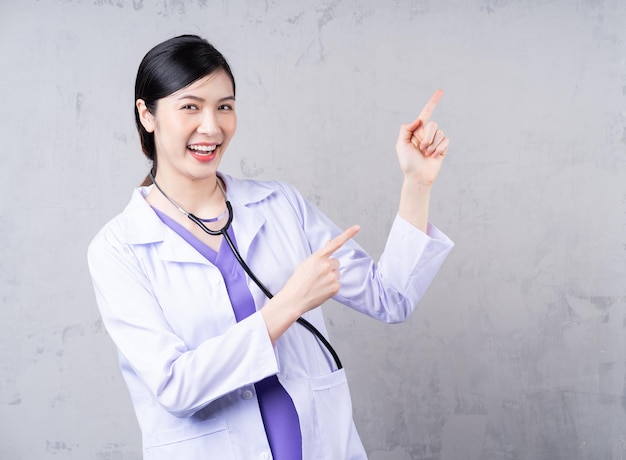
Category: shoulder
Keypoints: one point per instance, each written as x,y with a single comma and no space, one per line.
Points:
250,190
136,224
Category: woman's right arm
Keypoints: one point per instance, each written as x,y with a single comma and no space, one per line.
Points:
181,378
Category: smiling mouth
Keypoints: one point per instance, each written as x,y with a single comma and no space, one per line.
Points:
202,149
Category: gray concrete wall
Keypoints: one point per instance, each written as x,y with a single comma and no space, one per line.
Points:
517,350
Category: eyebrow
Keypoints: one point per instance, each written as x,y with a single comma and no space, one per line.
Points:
200,99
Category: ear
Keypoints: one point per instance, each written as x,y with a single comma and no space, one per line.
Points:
146,118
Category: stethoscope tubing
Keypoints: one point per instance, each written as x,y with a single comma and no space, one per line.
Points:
224,232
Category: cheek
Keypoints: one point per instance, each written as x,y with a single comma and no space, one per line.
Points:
169,134
230,126
172,128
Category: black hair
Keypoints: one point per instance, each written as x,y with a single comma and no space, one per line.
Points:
168,67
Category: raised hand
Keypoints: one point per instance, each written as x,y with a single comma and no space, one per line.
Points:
421,145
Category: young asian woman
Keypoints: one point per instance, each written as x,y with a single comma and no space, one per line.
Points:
216,367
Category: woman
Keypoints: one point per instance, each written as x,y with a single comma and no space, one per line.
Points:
215,367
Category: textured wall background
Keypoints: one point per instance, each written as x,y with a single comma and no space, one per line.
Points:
517,350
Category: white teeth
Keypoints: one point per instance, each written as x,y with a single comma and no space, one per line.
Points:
201,148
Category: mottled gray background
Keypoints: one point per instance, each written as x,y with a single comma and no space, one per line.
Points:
517,350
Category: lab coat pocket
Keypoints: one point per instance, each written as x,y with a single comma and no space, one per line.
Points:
333,410
206,439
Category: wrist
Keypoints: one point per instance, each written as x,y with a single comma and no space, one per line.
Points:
414,203
279,314
416,186
289,305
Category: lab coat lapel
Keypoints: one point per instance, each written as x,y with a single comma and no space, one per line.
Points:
144,227
246,225
243,195
175,249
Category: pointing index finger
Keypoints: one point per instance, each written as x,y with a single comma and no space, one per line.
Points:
429,108
339,241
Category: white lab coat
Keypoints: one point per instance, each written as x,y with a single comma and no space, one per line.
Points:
191,368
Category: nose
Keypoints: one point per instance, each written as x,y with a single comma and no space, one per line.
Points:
209,124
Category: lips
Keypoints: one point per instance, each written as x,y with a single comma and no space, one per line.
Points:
203,152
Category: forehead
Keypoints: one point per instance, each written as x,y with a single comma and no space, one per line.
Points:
217,84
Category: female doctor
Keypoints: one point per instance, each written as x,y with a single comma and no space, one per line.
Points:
217,369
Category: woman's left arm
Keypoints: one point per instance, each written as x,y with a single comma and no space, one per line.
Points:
421,147
415,250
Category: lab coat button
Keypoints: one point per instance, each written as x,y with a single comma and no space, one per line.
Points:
247,394
265,456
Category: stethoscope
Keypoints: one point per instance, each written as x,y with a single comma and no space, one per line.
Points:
224,232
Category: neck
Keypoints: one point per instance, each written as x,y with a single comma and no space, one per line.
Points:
203,198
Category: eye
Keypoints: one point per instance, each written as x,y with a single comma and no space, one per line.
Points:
225,107
190,107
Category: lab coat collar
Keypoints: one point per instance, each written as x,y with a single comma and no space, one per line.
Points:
143,226
247,222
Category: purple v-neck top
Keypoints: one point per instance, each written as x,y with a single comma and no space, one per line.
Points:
280,418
